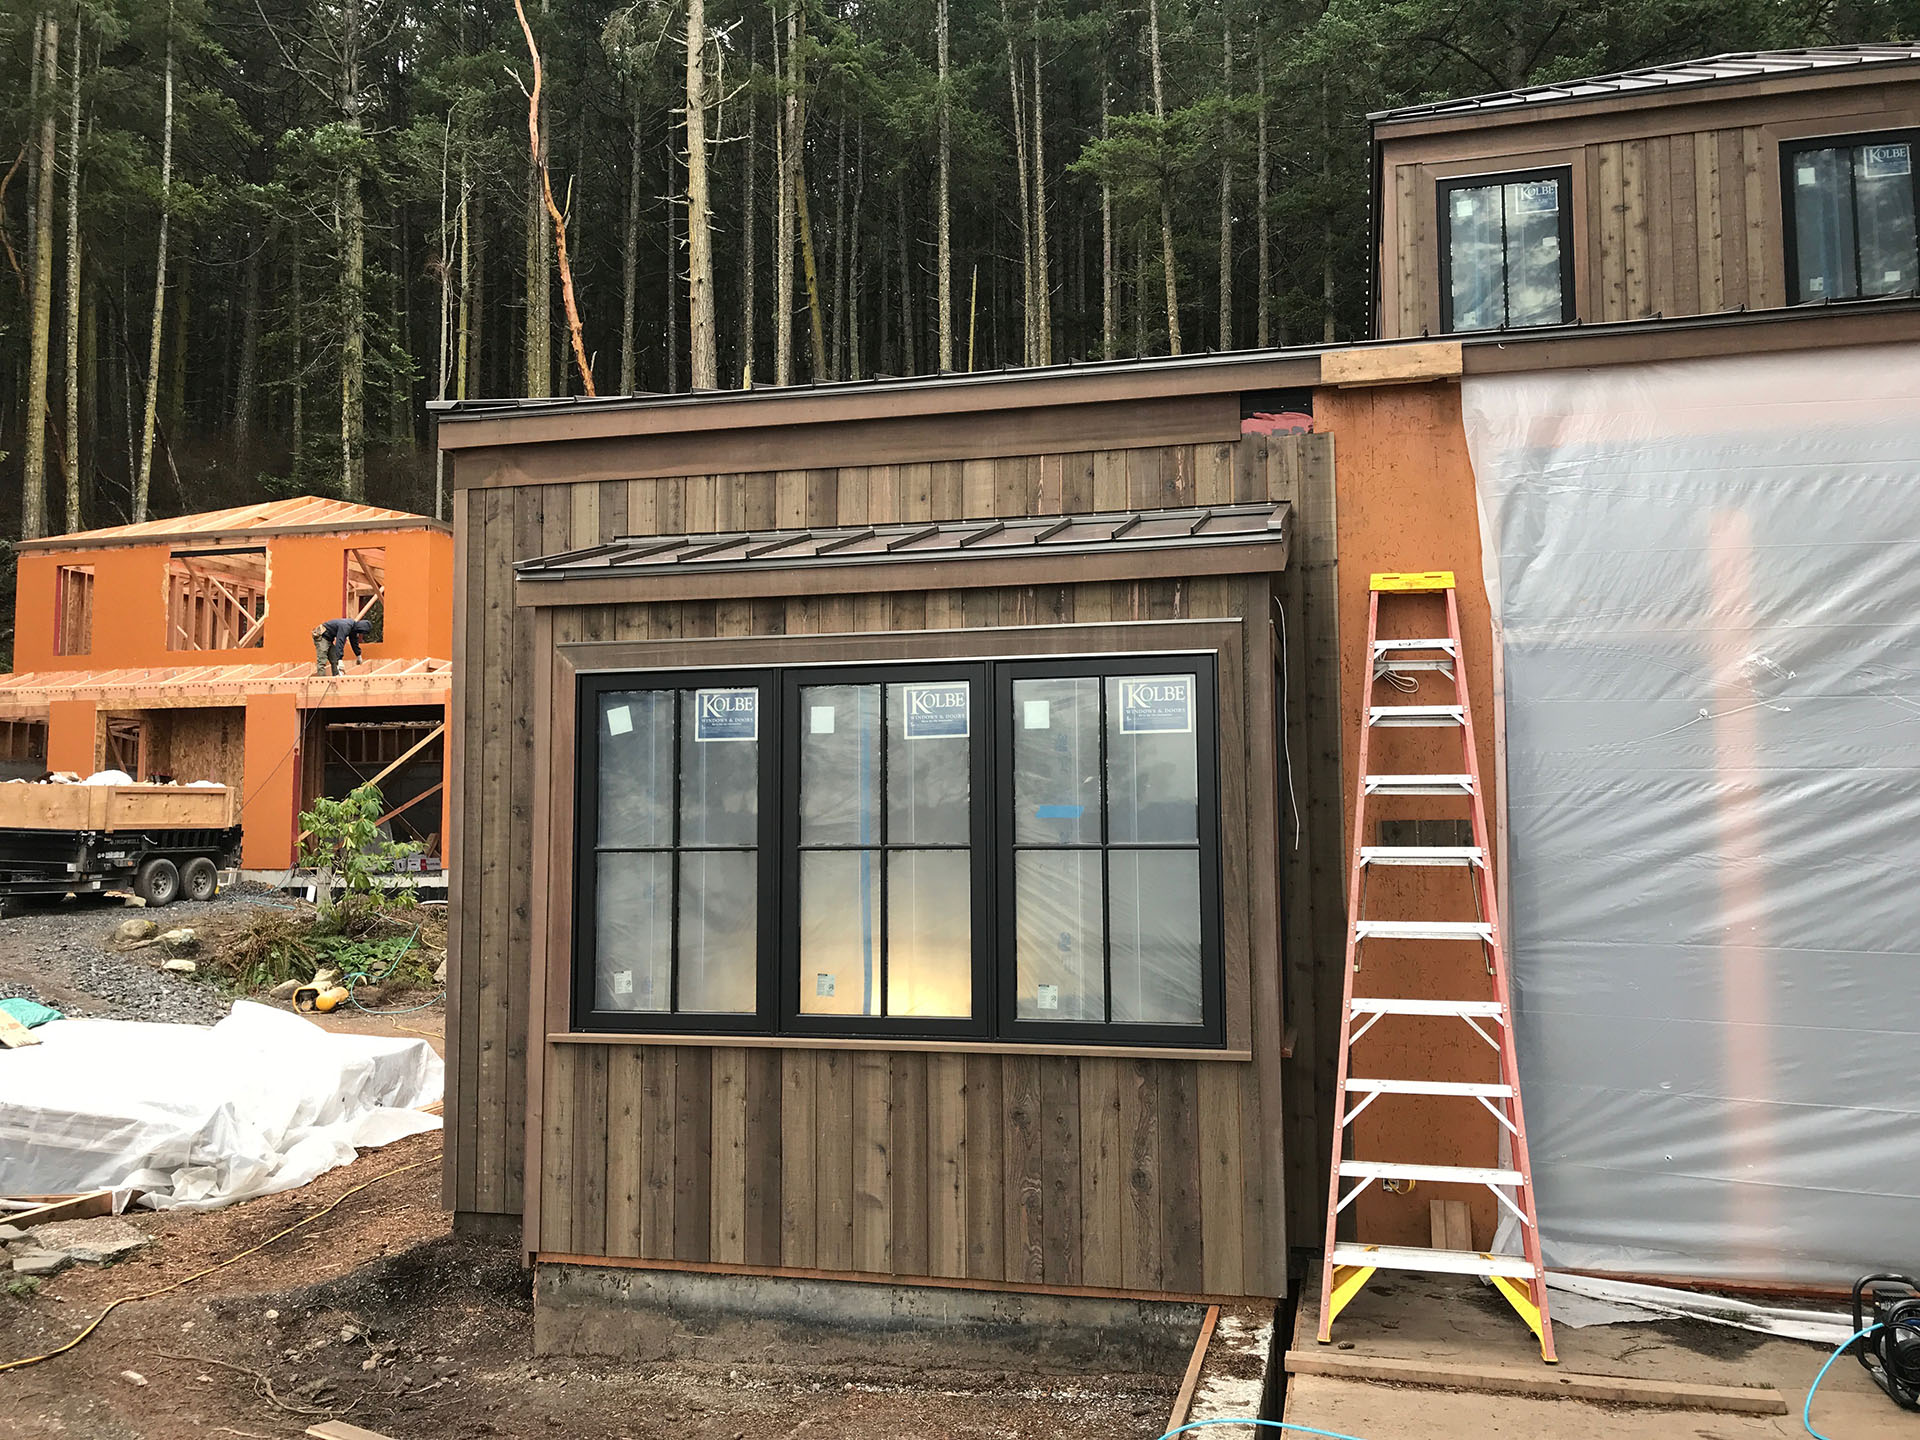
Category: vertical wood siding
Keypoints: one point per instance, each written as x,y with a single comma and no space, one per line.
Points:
1035,1168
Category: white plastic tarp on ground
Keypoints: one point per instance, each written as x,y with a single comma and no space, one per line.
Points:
199,1117
1707,578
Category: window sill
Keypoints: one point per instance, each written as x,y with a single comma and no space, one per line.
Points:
887,1042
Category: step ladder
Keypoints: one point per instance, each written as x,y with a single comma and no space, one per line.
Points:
1346,1266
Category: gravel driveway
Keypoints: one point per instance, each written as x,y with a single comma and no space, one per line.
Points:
54,952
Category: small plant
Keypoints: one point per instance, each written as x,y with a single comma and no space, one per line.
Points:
344,842
23,1287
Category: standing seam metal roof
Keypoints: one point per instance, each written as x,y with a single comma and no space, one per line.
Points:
1714,69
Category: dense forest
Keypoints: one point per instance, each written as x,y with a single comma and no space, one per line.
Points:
246,240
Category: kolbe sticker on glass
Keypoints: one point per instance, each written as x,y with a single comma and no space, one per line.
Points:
937,711
726,715
1156,705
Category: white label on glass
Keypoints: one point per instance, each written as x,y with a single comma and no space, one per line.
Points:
823,984
619,721
1462,208
1804,175
1049,997
1540,197
820,719
937,711
1817,284
1037,714
1890,277
726,715
1882,162
623,982
1156,705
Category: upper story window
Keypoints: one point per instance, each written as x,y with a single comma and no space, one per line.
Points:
1506,246
217,599
1850,224
365,588
73,610
1009,850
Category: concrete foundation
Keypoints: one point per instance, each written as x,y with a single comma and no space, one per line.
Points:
637,1314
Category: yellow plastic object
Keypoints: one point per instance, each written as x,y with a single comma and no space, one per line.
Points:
332,996
1412,580
1522,1302
1347,1280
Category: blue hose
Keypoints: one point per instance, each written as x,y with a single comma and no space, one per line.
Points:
1269,1424
1806,1410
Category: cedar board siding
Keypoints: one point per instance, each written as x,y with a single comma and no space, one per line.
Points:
1676,208
1175,1175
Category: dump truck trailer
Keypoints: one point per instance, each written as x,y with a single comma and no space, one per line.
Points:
160,841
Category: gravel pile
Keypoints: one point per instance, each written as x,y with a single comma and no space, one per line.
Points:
55,954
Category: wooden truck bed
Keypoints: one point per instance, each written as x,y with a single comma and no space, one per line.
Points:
115,807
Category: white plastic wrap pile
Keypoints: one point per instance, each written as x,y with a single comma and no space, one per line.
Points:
199,1117
1707,577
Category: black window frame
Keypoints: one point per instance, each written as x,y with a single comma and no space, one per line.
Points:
586,1017
994,940
980,817
1790,151
1563,174
1207,843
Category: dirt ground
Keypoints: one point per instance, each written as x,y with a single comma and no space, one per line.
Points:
379,1316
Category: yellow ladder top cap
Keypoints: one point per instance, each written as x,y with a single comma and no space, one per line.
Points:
1412,580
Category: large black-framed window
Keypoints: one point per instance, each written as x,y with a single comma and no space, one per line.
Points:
1850,224
1506,250
677,846
1018,850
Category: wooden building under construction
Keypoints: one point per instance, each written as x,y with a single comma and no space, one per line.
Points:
182,648
902,825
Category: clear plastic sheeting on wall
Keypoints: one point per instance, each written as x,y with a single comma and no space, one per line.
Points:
1706,575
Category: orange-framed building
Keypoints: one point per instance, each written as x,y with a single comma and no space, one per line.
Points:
182,648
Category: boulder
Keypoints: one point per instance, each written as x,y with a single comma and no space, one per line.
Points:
180,939
132,932
92,1242
41,1263
179,966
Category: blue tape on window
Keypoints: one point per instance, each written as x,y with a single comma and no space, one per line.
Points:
1059,812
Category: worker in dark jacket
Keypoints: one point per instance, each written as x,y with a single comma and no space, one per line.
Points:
330,643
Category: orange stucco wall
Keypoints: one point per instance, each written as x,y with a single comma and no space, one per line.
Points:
270,793
1405,501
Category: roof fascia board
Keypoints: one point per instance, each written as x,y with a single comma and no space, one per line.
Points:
77,543
1802,328
1388,128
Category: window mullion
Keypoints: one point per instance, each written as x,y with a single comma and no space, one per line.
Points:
1853,209
883,818
1106,879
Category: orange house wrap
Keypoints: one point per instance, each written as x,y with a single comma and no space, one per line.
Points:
183,648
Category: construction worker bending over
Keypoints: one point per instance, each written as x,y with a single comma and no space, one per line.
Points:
330,643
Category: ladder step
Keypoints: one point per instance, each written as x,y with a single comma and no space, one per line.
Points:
1431,1087
1390,716
1479,1009
1382,647
1439,1174
1439,1262
1422,930
1422,855
1419,784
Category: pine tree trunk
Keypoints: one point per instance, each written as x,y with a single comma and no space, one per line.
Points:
1042,264
246,383
1326,227
1029,347
907,363
1166,206
673,275
73,450
477,306
539,279
943,271
816,327
33,491
705,366
630,254
1108,279
143,478
837,354
1226,184
182,335
353,336
750,245
856,351
449,224
463,336
1263,281
786,142
296,313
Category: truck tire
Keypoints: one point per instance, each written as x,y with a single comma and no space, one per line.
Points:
158,882
200,879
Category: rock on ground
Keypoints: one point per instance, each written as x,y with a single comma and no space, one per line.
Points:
91,1242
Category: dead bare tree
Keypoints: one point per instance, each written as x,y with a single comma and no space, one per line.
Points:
553,210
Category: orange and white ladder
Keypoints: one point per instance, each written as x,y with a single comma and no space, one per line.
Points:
1408,664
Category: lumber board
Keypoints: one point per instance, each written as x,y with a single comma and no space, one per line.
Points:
1541,1382
728,1215
341,1430
910,1201
1023,1198
947,1163
1392,364
871,1161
